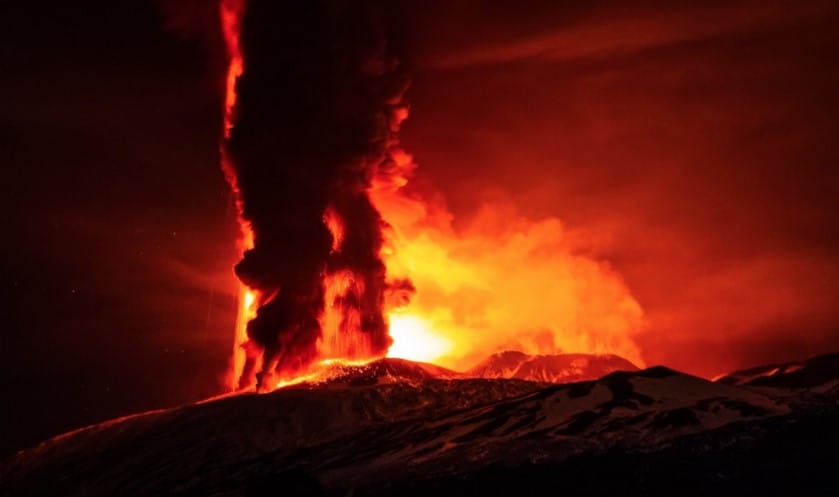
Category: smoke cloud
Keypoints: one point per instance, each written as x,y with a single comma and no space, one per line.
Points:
318,107
501,281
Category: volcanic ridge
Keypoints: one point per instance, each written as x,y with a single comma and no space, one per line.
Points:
395,427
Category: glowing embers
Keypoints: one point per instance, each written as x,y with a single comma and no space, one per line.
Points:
323,371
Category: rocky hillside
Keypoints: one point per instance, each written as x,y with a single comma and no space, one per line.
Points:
393,427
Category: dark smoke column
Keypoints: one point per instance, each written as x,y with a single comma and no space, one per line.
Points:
317,110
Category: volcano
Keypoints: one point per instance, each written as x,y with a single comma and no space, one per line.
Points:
395,427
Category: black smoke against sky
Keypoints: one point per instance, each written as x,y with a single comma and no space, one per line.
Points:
314,121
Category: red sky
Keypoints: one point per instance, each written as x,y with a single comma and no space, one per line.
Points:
691,147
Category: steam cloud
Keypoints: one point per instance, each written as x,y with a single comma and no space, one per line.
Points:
318,108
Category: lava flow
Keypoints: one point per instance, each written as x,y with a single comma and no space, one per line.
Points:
341,261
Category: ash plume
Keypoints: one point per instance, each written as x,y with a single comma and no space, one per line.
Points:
317,110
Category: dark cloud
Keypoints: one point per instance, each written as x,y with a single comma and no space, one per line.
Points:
314,121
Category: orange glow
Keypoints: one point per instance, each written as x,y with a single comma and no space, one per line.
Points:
247,311
319,371
499,282
336,229
230,13
341,337
414,339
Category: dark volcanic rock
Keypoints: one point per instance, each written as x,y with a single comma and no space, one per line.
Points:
383,427
817,371
748,458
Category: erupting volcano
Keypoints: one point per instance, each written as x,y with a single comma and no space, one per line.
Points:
410,314
341,260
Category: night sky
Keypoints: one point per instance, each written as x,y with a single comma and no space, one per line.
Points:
691,146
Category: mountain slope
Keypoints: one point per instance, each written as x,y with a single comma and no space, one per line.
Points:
646,408
557,368
818,371
364,434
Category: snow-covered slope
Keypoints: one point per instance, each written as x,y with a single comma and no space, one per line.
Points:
814,372
645,408
557,368
357,432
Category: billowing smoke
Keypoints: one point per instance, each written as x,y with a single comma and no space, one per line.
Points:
317,110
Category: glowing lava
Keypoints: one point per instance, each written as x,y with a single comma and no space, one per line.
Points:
415,339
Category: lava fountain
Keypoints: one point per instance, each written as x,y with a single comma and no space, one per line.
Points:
341,261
